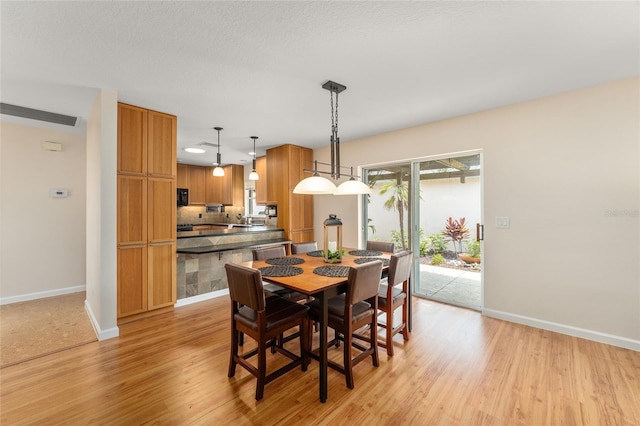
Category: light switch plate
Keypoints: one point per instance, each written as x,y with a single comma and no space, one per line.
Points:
502,222
59,193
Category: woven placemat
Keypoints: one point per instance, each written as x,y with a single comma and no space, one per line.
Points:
284,261
316,253
280,271
365,252
385,262
332,271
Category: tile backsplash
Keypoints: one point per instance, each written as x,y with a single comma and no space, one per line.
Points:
197,214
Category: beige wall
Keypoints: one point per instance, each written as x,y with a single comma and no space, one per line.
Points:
42,238
565,169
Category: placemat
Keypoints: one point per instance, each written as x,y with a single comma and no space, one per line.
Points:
284,261
280,271
385,262
316,253
365,252
332,271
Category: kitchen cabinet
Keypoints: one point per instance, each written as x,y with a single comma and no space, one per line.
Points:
212,186
182,178
261,184
233,186
285,168
196,185
146,216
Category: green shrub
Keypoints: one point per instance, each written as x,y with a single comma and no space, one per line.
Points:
436,243
437,259
474,248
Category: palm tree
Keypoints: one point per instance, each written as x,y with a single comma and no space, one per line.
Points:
399,201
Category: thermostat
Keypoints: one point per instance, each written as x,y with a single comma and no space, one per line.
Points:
59,193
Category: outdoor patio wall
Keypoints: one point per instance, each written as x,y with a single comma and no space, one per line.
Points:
566,170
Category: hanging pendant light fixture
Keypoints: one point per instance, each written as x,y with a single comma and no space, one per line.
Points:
320,185
218,171
254,174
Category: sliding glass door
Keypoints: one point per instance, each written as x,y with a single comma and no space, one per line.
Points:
432,207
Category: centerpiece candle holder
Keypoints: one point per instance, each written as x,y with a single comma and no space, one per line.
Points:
333,248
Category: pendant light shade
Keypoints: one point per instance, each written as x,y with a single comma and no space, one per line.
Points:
315,185
351,187
254,174
218,171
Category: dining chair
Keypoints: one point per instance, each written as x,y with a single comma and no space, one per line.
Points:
381,246
273,289
263,319
393,295
350,312
306,247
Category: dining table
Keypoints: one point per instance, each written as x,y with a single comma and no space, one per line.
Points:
309,274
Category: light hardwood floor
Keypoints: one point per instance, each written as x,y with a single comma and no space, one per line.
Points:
459,368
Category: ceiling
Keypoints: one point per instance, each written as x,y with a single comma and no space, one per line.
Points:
256,68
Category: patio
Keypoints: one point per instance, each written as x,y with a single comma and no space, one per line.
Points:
453,286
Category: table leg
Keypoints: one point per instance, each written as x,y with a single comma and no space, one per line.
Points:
324,365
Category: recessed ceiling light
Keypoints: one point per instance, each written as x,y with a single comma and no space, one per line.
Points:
195,150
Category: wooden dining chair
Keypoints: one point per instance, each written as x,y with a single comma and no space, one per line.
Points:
306,247
273,289
350,312
393,295
381,246
263,319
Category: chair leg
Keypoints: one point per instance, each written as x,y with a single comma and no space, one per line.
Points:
234,351
262,369
405,318
348,364
304,335
373,340
389,333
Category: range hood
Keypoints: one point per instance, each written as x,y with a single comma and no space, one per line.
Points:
214,208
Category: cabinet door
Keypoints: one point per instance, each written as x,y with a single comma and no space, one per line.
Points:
182,172
301,236
162,139
132,280
132,139
261,184
132,209
162,275
233,186
196,185
161,201
212,186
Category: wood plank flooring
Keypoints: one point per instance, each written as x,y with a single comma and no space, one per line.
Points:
459,368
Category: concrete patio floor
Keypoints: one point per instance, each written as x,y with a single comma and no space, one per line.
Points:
452,286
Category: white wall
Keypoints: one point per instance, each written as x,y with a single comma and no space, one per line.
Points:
42,238
557,166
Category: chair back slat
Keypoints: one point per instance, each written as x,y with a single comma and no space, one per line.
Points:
269,253
301,248
245,286
400,267
363,282
380,246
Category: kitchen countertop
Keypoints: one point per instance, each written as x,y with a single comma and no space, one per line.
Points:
224,230
235,246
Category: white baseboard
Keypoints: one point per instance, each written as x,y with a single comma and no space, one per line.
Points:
41,294
596,336
201,297
102,334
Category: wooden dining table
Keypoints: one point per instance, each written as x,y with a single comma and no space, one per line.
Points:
321,287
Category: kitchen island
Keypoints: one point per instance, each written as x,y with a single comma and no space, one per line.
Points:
203,254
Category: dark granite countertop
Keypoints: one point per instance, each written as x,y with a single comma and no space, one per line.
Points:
234,246
224,230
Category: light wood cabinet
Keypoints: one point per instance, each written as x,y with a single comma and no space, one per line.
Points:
196,185
182,176
261,184
233,186
285,168
146,212
212,186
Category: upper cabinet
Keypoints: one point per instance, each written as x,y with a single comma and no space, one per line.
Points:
182,173
261,184
132,139
204,188
196,185
212,186
233,186
161,155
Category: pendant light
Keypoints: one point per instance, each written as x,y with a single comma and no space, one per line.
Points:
218,171
320,185
254,175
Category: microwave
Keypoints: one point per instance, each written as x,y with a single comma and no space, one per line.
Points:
182,197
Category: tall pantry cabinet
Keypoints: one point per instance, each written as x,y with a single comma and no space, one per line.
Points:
146,211
285,168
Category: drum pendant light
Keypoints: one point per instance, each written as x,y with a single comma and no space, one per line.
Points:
218,171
